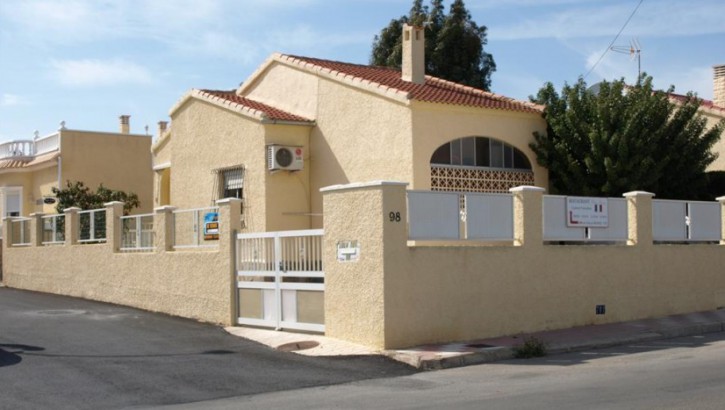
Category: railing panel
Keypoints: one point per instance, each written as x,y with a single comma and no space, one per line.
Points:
433,215
53,229
555,227
618,228
137,233
669,220
20,148
196,228
47,144
20,232
489,216
92,225
705,221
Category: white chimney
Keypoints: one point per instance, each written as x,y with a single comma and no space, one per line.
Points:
719,85
413,54
125,123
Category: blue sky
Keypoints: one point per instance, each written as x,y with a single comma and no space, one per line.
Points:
88,61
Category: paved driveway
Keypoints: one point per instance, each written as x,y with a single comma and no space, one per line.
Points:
58,352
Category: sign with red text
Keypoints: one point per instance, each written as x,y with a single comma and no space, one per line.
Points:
587,212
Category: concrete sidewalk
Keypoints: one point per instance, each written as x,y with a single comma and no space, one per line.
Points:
441,356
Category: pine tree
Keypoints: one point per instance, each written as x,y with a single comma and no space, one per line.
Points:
454,44
622,139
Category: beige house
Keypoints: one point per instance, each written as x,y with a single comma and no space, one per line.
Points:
29,169
299,124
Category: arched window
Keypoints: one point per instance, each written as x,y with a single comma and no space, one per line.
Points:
480,152
479,164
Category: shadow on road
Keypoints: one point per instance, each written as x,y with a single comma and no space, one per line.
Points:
12,357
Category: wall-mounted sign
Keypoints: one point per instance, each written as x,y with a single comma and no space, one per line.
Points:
49,200
348,251
211,226
587,212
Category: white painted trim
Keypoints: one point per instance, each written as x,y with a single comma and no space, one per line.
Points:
357,185
162,166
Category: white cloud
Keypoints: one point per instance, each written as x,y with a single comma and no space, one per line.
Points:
11,100
91,73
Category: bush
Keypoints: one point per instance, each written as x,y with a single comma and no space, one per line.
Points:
532,347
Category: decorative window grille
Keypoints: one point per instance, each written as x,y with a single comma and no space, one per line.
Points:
479,164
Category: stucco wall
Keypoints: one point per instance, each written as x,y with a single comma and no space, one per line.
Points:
359,137
18,179
206,138
713,116
118,161
446,293
437,124
195,284
44,180
287,88
288,192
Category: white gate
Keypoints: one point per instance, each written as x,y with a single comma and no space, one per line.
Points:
280,281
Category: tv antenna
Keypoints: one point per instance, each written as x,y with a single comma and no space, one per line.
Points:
634,50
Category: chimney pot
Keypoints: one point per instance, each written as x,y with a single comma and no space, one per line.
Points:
719,85
413,67
162,127
125,123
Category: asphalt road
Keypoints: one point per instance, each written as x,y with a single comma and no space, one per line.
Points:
683,373
65,353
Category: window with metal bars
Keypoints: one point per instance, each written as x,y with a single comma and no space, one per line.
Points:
231,183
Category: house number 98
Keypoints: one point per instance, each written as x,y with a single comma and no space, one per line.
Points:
394,216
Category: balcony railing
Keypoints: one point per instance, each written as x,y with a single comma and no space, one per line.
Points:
29,148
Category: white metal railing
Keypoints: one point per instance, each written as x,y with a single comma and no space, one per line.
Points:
686,221
20,232
53,229
137,233
92,224
557,226
196,228
435,215
47,144
280,280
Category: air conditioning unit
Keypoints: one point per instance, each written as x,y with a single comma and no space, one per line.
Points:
287,158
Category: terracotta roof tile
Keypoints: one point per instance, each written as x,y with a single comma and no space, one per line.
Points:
269,112
434,89
703,103
27,162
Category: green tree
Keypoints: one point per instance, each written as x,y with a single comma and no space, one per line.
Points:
454,48
622,138
79,195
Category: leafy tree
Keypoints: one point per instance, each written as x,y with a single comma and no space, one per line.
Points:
454,48
622,138
77,194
